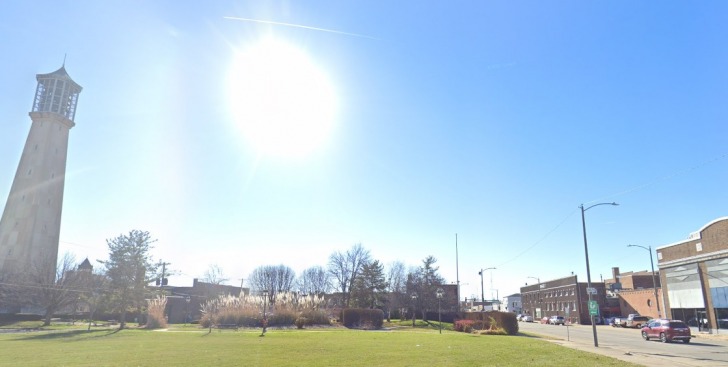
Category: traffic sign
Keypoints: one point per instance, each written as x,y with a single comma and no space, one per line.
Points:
591,290
593,308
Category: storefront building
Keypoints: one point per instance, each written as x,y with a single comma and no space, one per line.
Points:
694,276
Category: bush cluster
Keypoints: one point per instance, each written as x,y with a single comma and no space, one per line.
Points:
362,318
446,316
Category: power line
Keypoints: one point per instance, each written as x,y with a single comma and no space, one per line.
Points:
661,179
539,241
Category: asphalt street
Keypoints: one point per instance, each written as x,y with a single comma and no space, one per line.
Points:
628,345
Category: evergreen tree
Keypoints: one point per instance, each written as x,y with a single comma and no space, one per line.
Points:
424,281
129,270
370,287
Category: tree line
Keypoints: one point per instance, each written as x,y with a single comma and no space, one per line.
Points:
352,278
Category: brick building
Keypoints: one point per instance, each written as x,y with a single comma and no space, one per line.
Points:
694,274
561,297
633,292
184,303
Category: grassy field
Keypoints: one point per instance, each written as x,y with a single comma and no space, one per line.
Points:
191,346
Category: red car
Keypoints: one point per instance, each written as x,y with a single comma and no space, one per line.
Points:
667,331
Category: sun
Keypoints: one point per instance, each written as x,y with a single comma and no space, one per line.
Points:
282,102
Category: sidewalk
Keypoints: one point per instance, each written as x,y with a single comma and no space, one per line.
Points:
709,336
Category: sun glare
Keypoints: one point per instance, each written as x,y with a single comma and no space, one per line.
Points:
282,102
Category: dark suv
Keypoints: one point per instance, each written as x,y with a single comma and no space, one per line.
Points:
667,331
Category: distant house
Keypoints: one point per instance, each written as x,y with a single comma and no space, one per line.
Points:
512,303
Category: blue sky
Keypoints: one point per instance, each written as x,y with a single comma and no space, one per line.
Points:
494,120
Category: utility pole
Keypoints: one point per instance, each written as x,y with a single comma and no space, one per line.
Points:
457,272
241,287
164,274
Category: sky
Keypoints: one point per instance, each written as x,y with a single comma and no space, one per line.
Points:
397,125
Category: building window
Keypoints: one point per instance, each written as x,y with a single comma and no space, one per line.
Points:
649,303
698,246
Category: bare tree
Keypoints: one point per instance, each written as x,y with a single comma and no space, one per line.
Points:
95,285
272,278
214,275
346,267
53,287
314,280
397,282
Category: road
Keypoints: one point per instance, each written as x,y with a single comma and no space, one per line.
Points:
628,345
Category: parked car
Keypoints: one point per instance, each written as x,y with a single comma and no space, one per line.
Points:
622,321
545,320
527,318
518,317
556,320
667,331
637,322
617,321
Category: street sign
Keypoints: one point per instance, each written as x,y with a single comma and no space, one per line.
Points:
593,308
591,290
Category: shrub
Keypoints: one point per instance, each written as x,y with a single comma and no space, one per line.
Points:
282,318
464,326
155,313
300,322
362,318
446,316
316,317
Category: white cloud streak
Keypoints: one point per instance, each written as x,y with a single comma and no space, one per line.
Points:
299,26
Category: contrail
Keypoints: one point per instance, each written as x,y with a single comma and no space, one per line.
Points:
300,26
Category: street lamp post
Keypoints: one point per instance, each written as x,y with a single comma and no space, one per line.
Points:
588,273
439,315
482,292
265,316
538,297
654,281
414,308
187,309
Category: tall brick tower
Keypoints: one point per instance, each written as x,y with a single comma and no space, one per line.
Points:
31,221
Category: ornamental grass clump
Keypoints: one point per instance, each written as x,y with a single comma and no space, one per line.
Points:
155,313
492,328
490,322
231,310
247,311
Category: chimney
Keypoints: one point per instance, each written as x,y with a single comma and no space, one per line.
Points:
615,274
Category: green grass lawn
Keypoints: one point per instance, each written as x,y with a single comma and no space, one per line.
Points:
191,346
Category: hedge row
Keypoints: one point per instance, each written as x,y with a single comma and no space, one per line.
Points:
448,316
362,318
